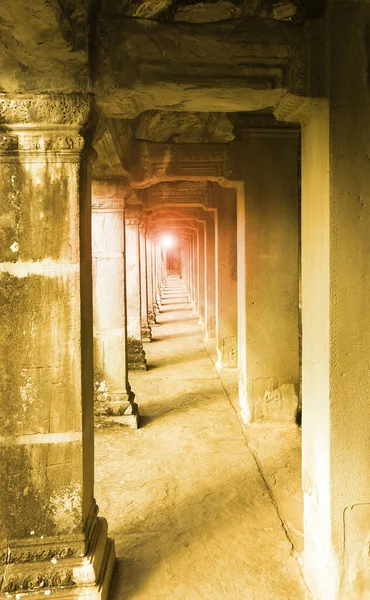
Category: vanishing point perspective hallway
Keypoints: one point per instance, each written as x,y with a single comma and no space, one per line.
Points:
185,501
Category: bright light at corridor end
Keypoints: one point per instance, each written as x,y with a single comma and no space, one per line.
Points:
167,241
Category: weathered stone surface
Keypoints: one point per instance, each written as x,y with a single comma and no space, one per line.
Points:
35,47
144,65
45,47
205,12
136,355
173,199
209,11
151,163
112,392
48,513
191,514
180,128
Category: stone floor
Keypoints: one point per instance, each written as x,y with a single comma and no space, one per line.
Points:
190,513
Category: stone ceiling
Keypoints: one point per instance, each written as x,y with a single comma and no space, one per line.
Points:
211,11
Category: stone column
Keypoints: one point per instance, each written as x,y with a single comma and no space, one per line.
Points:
135,351
269,361
156,304
146,332
51,541
188,267
160,273
336,315
197,260
201,271
150,276
193,271
226,276
184,266
113,398
210,305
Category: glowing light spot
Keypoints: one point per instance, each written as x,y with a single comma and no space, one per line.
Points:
14,247
32,532
167,241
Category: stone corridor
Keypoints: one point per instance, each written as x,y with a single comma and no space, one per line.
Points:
218,420
186,504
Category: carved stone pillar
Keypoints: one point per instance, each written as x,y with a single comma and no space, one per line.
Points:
269,361
196,269
186,266
150,277
201,271
156,298
113,398
226,276
146,332
210,274
51,541
160,273
135,351
336,310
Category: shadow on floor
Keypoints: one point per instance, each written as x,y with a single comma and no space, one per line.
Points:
176,359
224,533
167,336
203,398
187,506
179,307
177,321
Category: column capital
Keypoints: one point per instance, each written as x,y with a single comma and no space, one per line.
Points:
143,225
133,214
298,109
46,123
110,193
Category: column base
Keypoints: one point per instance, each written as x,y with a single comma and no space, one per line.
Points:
209,335
227,355
136,355
245,410
146,334
152,318
120,410
59,573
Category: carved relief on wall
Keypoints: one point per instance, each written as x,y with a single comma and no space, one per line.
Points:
275,399
230,352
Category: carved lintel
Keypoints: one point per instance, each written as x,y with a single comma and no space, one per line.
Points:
196,161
